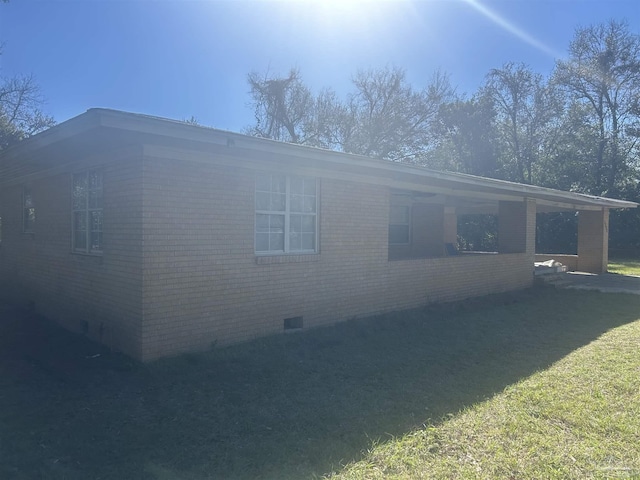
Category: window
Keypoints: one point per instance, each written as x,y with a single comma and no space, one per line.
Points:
28,210
399,225
87,212
286,214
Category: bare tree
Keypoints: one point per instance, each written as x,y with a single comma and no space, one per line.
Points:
390,119
20,113
283,107
383,118
526,107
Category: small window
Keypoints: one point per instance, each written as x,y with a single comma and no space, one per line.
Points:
28,210
293,323
286,214
399,224
86,223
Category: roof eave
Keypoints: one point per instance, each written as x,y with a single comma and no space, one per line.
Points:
160,127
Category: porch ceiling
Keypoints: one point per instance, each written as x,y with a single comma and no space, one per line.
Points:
484,204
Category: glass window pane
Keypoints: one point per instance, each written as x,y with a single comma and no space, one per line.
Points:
29,217
278,183
295,223
309,186
296,203
95,199
96,220
295,241
28,200
80,221
96,241
297,185
276,223
308,223
278,202
95,180
308,241
263,201
263,183
262,242
79,191
80,240
399,214
310,204
276,241
79,198
285,200
262,223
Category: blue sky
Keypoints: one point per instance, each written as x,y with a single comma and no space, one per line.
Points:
181,58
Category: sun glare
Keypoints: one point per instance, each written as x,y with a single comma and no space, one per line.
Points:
350,13
511,27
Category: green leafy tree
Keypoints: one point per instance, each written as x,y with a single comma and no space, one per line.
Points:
466,136
602,74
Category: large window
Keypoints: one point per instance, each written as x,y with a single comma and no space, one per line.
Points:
399,225
286,214
28,210
87,212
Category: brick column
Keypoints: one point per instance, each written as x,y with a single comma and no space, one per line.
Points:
593,240
450,225
517,227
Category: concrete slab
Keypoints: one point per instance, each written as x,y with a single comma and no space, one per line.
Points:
604,282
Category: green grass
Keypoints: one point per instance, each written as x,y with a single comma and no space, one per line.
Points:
624,266
580,418
539,384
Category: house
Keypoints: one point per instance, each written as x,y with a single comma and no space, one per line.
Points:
158,237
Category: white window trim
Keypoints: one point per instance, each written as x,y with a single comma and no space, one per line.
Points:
287,218
409,224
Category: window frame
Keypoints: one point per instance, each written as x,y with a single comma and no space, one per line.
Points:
87,210
287,214
408,224
28,211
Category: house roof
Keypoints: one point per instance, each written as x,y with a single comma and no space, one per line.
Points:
100,128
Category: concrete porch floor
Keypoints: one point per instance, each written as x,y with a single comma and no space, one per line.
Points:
604,282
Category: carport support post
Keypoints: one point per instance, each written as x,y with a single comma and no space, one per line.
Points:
593,240
517,227
450,225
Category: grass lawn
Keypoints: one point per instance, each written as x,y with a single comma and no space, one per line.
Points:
624,266
543,383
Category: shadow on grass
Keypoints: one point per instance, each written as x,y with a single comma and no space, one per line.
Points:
291,406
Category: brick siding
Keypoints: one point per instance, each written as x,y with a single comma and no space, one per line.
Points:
98,295
204,285
179,271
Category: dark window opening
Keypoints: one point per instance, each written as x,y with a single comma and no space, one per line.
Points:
293,323
478,233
